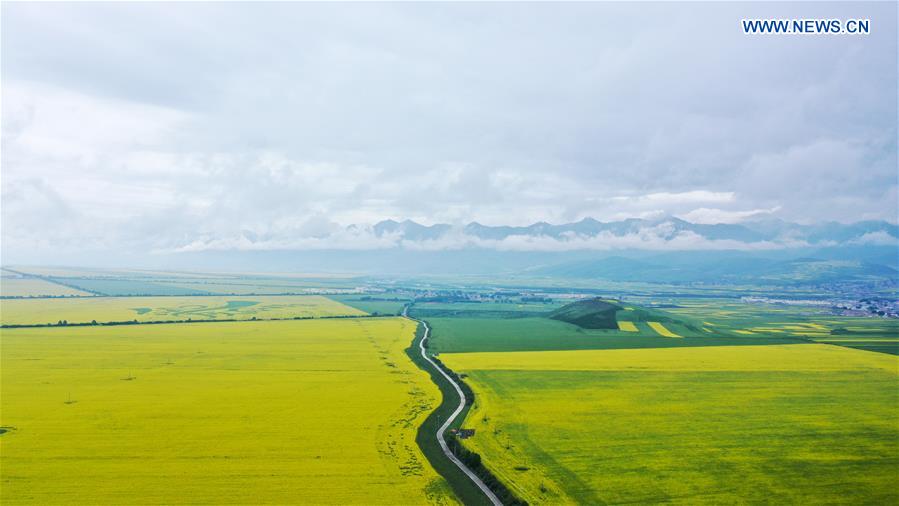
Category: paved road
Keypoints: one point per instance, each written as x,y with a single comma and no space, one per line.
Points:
440,431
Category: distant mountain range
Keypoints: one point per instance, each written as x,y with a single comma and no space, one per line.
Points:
768,233
669,250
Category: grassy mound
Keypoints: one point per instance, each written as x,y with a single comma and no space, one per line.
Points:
588,314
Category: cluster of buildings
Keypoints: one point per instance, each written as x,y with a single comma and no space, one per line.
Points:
869,307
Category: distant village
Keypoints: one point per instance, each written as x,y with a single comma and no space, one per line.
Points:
870,307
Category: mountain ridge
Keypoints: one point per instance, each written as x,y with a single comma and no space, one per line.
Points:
665,228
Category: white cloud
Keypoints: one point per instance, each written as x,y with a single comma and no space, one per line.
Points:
879,238
689,197
706,215
274,125
662,236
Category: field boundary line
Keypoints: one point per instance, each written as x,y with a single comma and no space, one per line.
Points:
183,322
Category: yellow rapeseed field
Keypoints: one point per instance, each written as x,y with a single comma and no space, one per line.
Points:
627,326
142,309
662,330
781,424
276,412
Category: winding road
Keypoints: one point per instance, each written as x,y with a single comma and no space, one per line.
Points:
440,431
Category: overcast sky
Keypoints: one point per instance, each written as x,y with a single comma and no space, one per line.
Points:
150,126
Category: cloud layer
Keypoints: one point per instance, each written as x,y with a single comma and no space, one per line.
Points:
667,233
167,127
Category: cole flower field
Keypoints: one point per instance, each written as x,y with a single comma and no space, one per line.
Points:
787,424
267,412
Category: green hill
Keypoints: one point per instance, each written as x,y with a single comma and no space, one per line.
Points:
588,314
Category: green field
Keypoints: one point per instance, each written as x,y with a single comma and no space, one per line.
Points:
257,286
488,309
113,287
482,310
793,424
467,327
276,412
372,304
813,323
533,334
155,309
249,288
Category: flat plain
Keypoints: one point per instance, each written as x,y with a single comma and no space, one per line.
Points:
147,309
472,334
373,303
238,412
801,424
135,282
34,287
813,323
